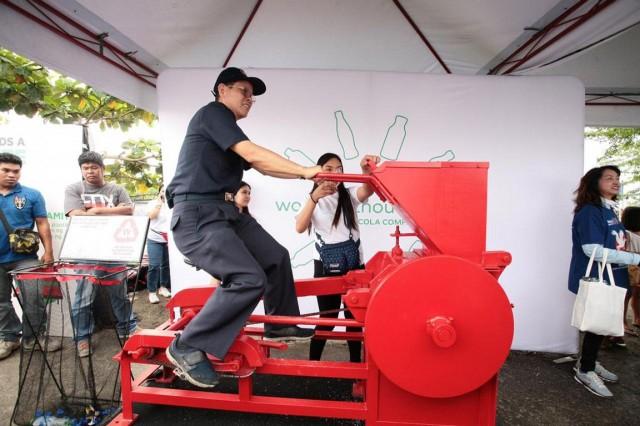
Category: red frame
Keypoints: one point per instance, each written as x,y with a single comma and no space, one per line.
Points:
461,189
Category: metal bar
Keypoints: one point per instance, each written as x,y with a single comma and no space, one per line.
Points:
257,404
613,104
126,388
595,43
88,32
160,339
182,322
584,18
537,35
245,388
339,335
326,335
244,29
320,286
421,35
285,320
623,98
598,97
345,177
71,39
328,369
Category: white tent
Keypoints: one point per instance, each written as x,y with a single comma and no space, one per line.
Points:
97,41
376,60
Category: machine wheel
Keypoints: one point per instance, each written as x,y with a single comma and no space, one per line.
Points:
439,326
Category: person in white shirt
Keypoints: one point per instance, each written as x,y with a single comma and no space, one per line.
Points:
158,275
330,213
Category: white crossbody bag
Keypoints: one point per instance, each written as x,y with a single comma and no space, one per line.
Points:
599,306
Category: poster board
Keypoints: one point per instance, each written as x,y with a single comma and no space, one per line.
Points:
105,238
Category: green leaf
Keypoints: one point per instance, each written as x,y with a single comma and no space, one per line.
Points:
623,150
57,97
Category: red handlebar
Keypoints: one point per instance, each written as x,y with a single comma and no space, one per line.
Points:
346,177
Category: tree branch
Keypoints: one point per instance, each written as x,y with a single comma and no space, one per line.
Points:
123,157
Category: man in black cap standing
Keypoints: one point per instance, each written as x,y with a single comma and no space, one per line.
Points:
209,230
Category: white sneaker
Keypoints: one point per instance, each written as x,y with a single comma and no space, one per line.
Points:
593,383
153,298
164,292
84,348
605,374
7,347
602,372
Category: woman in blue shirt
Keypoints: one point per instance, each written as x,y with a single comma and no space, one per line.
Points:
596,227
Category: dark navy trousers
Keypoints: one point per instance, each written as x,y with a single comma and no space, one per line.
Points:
250,262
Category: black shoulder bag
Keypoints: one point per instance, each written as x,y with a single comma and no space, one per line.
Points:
339,258
21,241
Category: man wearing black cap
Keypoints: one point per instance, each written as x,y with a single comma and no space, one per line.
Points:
209,230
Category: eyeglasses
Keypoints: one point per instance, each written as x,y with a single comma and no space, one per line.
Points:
246,92
330,169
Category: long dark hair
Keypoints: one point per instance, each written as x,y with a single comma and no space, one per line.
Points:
588,191
631,219
240,186
345,206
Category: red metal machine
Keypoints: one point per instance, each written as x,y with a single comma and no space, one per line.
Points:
437,326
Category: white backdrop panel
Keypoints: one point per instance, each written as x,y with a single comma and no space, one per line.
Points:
529,128
49,155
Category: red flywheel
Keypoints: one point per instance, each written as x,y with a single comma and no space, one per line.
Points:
439,326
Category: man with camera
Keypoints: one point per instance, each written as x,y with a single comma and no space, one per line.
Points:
21,207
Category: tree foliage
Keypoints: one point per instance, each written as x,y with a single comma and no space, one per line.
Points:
624,151
138,167
29,89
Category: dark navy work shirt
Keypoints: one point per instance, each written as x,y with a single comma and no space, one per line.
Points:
206,163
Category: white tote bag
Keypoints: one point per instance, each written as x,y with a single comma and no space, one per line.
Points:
599,306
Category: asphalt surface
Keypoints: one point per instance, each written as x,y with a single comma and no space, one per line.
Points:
533,390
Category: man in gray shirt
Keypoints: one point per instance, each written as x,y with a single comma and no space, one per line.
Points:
89,197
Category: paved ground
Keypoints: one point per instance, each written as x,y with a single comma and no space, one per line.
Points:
533,390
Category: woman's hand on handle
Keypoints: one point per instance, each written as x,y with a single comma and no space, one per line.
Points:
367,164
367,161
323,189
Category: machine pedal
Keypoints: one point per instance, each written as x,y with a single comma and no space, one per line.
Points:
240,374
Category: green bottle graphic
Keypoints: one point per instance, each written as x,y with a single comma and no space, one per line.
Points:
448,155
394,139
304,255
345,137
299,157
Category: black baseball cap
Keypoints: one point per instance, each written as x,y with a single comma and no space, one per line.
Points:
232,74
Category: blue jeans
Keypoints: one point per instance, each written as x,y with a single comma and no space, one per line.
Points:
33,305
158,274
82,314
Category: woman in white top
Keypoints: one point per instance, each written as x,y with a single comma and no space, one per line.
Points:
330,213
158,275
